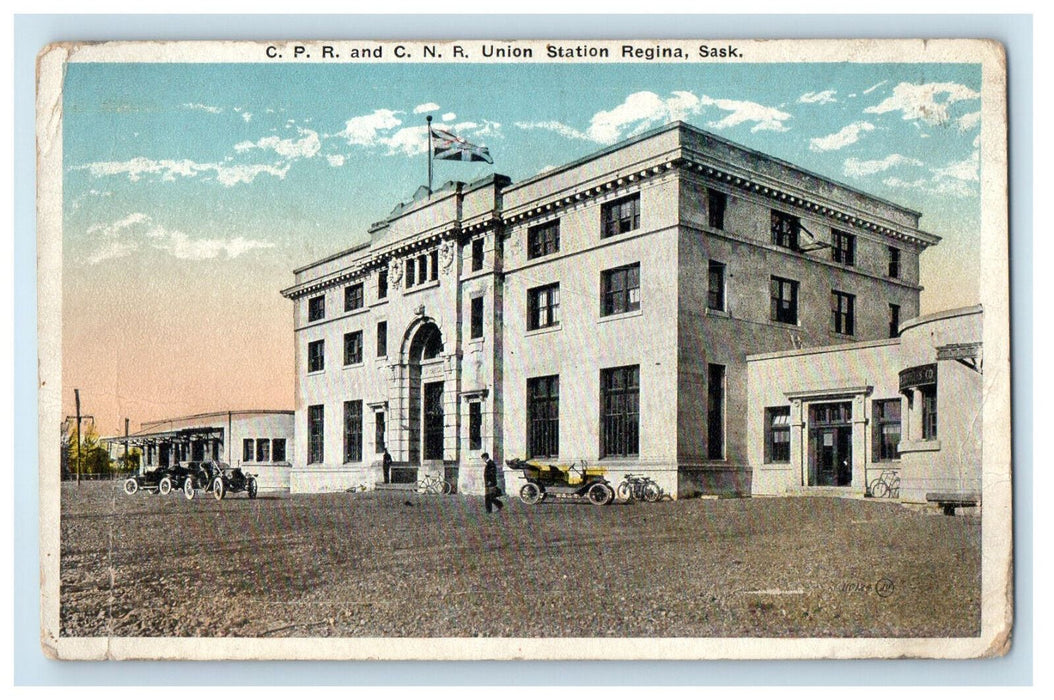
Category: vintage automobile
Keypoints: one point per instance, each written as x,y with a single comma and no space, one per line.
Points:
157,480
199,475
219,479
562,481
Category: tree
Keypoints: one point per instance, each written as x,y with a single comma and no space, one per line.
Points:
94,458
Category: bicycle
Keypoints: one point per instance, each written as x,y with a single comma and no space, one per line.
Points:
434,485
883,487
638,488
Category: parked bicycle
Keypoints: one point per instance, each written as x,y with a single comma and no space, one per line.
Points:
638,487
887,485
433,484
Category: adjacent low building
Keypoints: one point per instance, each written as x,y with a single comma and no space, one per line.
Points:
602,311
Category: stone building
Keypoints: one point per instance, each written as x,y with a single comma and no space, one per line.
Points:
600,311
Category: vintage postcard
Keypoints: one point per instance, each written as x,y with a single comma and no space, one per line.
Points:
621,349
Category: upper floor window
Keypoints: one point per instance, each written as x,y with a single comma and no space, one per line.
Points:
843,311
353,348
543,239
382,283
353,297
785,230
382,339
843,247
316,308
620,290
410,270
543,306
784,297
477,255
715,293
894,320
476,318
316,356
620,216
433,265
716,202
894,262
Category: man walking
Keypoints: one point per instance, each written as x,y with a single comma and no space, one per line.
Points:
386,466
490,484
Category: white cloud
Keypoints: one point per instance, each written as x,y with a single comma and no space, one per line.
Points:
847,135
307,146
247,116
408,141
967,170
969,121
764,118
957,179
874,87
169,170
426,107
363,130
928,102
863,168
336,160
136,231
204,108
556,127
825,97
449,117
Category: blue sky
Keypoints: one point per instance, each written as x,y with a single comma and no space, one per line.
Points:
202,186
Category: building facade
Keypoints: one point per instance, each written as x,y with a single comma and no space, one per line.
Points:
600,311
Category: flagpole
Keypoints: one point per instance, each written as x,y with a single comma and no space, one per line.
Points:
429,121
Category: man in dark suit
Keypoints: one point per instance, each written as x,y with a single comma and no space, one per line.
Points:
490,484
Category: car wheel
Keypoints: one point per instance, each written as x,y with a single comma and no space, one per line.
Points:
188,488
600,494
531,494
252,488
164,487
217,489
131,486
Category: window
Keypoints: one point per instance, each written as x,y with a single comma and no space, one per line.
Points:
263,450
885,429
929,411
620,411
476,319
379,432
316,356
433,265
843,307
777,434
543,239
409,272
475,425
477,255
353,348
784,295
843,247
894,320
278,449
785,230
353,297
715,294
715,412
620,216
382,339
422,269
382,283
543,416
315,434
620,290
247,450
316,308
543,307
716,202
353,431
894,262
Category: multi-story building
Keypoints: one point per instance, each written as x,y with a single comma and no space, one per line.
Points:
600,311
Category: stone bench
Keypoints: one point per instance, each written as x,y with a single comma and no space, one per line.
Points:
950,500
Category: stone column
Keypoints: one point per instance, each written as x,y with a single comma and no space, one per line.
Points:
798,442
859,465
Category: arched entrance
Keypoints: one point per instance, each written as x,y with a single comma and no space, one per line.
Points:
426,375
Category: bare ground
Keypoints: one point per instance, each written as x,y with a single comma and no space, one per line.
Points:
397,564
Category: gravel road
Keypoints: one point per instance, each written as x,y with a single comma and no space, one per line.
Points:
402,564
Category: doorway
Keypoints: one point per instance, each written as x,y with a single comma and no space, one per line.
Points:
831,444
433,420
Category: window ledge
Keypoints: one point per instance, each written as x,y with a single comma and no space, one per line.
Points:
317,372
545,329
720,313
840,336
919,446
430,284
355,365
477,341
624,314
356,311
378,302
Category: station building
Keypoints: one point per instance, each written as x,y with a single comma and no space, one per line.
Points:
262,442
603,310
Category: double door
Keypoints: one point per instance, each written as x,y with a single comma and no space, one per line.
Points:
831,444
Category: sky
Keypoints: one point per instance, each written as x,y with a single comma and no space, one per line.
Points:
191,191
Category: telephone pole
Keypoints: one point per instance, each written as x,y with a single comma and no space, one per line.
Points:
77,397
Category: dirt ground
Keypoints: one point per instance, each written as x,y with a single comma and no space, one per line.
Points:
402,564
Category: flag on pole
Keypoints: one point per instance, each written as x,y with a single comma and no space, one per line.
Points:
447,146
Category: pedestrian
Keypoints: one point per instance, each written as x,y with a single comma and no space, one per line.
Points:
490,484
386,465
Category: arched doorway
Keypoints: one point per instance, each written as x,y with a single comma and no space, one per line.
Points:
426,377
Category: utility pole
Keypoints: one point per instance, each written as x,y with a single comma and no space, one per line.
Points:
126,460
77,397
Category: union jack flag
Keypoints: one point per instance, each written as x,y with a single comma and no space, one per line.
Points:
446,146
